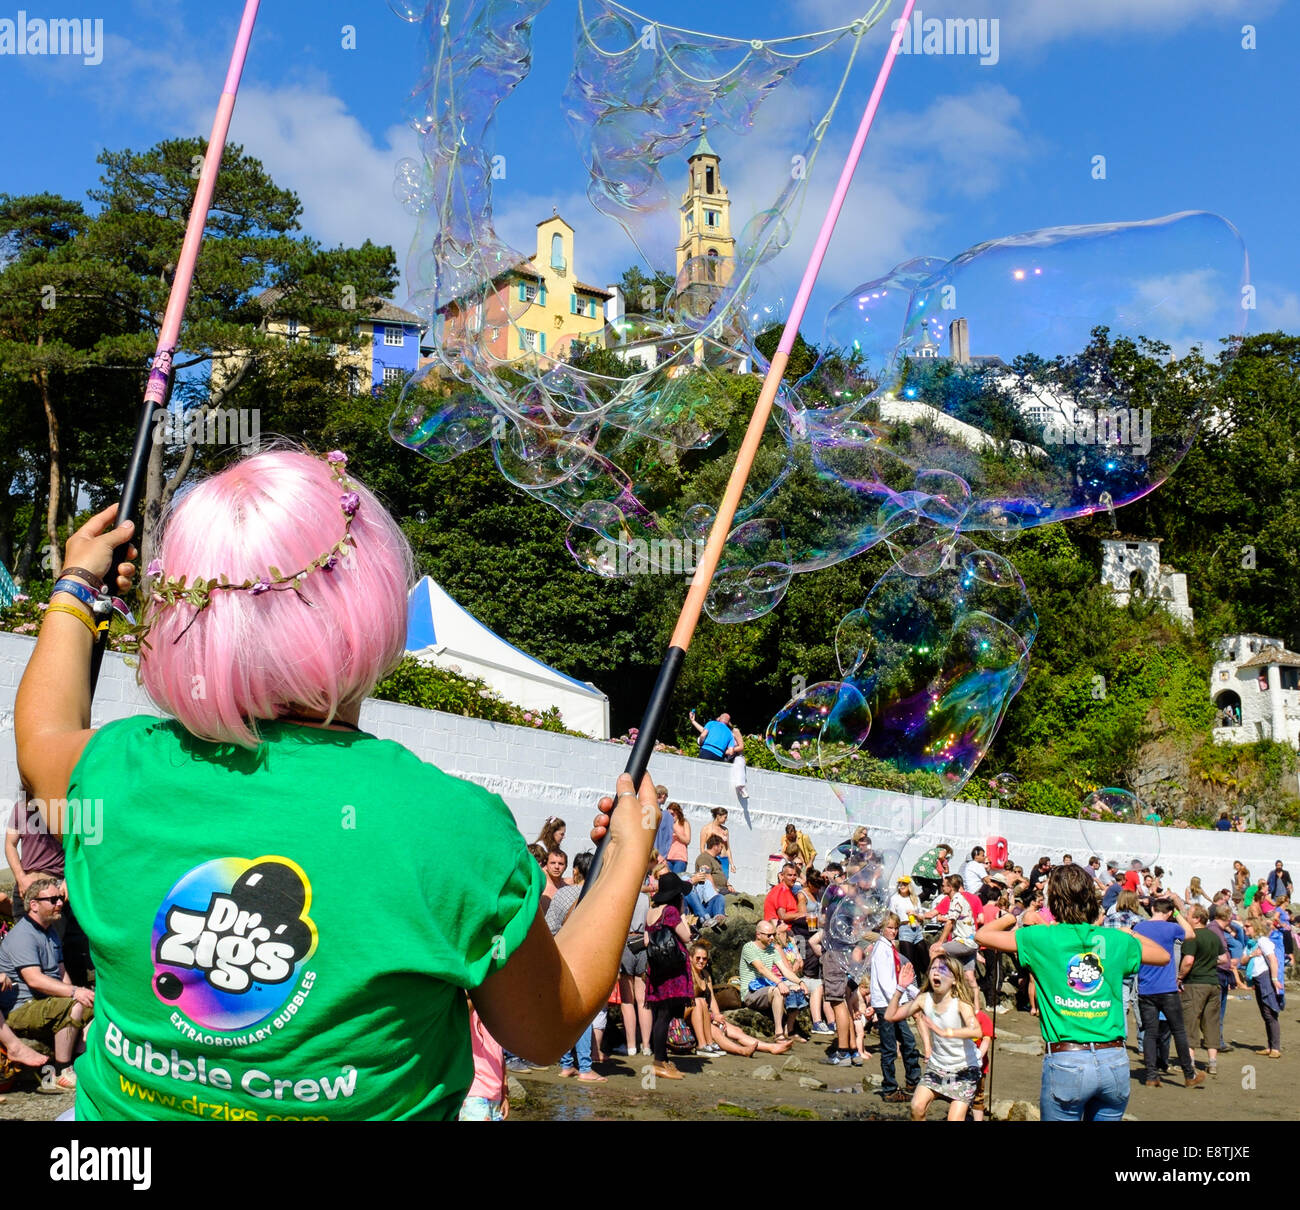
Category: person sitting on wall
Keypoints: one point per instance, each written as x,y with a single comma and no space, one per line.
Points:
719,740
707,899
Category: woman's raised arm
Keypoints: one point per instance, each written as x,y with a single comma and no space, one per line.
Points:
547,993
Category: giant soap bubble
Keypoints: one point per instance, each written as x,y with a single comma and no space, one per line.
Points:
1116,823
1030,366
1023,381
852,910
929,664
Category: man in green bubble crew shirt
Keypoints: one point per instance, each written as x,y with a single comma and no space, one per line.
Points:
1079,967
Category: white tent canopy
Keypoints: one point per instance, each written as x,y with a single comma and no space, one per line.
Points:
438,631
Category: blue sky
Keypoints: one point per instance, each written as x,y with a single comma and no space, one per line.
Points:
962,151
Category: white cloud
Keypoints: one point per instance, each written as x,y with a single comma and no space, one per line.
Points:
1276,309
1028,24
964,143
310,143
304,135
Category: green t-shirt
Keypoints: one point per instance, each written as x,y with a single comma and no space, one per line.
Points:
1251,891
1079,969
285,935
751,953
1204,950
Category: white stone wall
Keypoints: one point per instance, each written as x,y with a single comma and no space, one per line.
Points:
539,774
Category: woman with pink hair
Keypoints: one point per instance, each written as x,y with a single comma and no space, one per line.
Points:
236,975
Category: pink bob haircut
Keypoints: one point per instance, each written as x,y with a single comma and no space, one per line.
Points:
248,657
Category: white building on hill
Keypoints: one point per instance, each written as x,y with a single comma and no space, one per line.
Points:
1255,685
1131,568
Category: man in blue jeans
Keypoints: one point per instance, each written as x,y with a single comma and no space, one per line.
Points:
1158,990
1080,970
706,900
1234,938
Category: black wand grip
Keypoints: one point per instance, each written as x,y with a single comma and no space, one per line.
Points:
651,722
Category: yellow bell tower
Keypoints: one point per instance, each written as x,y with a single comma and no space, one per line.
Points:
706,239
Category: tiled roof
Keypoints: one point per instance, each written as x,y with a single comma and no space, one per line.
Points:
1273,655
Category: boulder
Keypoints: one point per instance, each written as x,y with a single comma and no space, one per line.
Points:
1014,1111
765,1072
1021,1048
758,1025
793,1064
515,1090
810,1082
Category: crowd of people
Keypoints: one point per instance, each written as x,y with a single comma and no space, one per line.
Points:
943,950
921,985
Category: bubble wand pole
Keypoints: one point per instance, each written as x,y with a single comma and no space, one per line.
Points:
158,389
688,619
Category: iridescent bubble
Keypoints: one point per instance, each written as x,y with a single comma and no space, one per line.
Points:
1117,824
1032,367
1004,785
753,573
824,725
937,651
852,910
409,10
763,237
652,108
408,186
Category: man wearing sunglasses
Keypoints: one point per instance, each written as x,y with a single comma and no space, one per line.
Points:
43,1002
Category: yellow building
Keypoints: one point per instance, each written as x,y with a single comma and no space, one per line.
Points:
707,244
538,308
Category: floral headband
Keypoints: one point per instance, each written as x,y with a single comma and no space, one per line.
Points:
165,590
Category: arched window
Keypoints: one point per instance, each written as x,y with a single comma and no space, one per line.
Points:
712,265
708,179
557,251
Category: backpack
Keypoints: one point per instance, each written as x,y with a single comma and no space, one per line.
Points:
664,955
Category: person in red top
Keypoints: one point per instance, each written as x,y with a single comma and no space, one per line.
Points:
781,902
941,908
977,1106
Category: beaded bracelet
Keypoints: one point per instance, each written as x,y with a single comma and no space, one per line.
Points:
80,614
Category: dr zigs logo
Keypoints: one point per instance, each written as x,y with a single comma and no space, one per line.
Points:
1084,973
230,938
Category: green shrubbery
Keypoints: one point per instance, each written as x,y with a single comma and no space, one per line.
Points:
431,688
